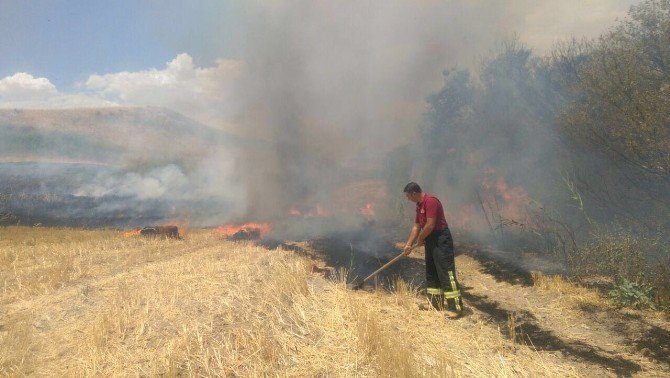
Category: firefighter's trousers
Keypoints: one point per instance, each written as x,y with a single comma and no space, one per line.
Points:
441,282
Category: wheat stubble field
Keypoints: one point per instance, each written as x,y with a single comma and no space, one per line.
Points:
96,303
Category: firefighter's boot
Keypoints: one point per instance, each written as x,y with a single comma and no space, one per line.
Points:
454,307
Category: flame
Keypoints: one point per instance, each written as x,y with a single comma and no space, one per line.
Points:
367,210
183,227
229,229
497,202
508,202
316,211
130,233
510,194
182,224
354,198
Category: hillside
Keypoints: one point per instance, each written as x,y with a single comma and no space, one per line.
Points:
117,136
109,166
205,306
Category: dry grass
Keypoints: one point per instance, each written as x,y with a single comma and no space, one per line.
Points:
569,292
92,303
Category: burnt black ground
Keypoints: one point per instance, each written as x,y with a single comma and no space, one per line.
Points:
46,194
359,249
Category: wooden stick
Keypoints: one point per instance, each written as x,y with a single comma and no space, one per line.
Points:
386,265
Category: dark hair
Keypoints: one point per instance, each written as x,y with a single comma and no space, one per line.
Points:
412,187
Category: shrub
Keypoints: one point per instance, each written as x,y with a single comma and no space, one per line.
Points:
631,294
618,253
6,218
661,281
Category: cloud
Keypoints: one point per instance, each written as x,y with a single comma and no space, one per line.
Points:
205,94
23,90
23,86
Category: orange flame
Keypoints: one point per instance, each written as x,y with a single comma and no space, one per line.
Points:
230,230
317,211
130,233
181,223
515,200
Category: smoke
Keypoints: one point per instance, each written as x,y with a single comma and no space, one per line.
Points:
155,184
116,167
206,194
322,93
332,87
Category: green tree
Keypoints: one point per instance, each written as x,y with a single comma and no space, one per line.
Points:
619,119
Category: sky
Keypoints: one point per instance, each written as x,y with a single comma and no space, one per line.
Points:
191,56
68,40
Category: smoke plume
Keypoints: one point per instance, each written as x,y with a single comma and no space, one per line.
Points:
333,87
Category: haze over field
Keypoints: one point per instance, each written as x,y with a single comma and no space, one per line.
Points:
326,89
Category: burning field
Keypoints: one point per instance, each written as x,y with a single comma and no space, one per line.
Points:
209,217
247,231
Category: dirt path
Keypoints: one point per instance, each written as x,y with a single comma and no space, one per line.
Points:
596,338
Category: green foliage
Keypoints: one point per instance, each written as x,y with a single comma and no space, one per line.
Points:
623,106
599,110
618,116
631,294
490,121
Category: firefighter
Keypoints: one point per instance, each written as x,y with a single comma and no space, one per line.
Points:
432,231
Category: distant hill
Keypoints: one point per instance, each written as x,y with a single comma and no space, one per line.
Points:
119,136
121,166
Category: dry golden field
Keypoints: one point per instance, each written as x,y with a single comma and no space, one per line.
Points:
95,303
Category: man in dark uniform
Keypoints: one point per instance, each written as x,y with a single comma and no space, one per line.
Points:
431,230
